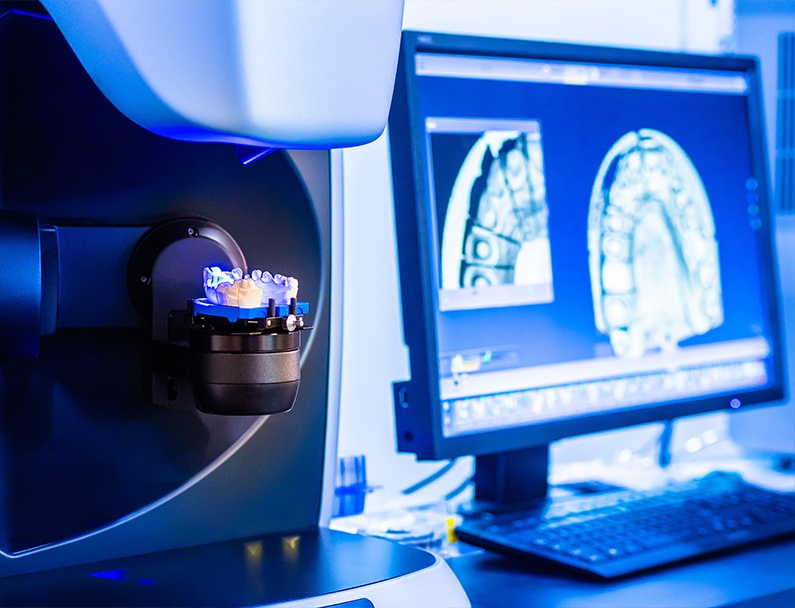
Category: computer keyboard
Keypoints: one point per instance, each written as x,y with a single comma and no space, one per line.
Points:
622,532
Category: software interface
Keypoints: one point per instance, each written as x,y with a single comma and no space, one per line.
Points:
595,237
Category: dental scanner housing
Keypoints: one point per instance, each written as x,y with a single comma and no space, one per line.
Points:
97,477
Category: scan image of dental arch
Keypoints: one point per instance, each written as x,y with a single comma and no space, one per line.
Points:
653,252
495,229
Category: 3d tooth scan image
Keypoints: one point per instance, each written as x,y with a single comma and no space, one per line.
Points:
496,223
653,251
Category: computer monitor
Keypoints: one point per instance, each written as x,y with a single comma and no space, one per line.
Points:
584,243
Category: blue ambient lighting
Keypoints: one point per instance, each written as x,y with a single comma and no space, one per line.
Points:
120,574
111,575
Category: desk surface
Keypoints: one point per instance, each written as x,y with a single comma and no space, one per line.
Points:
759,576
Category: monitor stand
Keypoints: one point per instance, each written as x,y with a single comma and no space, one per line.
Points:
515,478
511,478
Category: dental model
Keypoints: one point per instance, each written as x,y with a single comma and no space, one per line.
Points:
247,291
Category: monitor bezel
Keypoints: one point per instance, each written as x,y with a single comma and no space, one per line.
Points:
417,402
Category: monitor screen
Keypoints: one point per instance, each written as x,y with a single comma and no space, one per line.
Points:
584,238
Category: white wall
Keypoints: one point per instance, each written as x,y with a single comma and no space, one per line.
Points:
373,352
662,24
759,22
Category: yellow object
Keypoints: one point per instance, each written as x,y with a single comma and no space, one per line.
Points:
451,536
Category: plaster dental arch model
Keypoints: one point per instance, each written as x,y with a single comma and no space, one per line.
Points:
234,288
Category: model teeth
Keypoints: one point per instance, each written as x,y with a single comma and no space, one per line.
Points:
243,294
214,278
280,288
235,288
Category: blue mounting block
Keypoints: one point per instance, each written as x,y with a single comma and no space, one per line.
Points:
202,307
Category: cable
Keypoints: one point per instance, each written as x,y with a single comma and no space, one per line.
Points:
456,491
664,457
431,478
